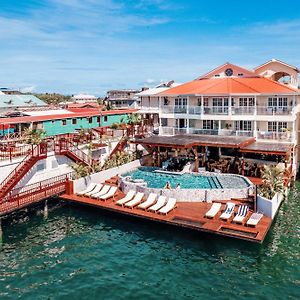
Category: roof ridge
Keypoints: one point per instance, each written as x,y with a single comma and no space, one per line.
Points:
282,85
242,83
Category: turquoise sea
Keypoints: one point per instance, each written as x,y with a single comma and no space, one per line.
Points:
80,253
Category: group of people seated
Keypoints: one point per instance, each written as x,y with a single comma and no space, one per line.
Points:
234,166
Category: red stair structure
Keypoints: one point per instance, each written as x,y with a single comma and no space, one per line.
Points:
69,149
120,146
37,152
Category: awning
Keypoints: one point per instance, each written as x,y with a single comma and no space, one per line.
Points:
268,148
191,140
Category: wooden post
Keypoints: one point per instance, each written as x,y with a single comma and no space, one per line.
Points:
158,156
203,156
46,209
196,160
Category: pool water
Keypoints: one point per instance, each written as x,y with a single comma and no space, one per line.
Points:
187,181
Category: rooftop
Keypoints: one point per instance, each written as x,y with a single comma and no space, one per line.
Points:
7,101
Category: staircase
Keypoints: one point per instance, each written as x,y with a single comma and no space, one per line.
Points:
119,147
69,149
38,152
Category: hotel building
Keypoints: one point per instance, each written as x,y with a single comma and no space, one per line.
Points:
232,101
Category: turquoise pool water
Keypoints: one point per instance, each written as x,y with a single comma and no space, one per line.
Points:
85,254
187,181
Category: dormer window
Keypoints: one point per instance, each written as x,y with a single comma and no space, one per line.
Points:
240,74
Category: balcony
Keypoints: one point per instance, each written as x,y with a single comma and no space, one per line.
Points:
273,111
243,110
279,136
174,109
148,109
216,110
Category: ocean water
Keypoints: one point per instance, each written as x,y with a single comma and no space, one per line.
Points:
80,253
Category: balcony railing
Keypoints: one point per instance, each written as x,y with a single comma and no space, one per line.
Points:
225,110
279,136
266,110
148,108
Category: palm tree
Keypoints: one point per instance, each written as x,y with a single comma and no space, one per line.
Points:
273,181
34,136
134,119
80,170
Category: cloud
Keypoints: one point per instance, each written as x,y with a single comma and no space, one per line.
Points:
28,89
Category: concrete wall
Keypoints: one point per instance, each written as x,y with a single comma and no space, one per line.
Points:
82,183
269,207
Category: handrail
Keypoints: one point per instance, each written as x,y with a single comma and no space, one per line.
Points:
27,189
35,152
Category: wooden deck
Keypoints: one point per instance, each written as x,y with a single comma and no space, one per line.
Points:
187,214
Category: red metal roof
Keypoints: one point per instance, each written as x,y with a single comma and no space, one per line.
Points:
231,85
78,114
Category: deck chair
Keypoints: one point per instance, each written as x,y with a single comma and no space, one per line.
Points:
111,193
214,209
171,204
161,201
135,201
229,209
149,202
91,186
102,192
97,189
254,219
127,198
241,214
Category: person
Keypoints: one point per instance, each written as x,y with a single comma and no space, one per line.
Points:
168,185
178,187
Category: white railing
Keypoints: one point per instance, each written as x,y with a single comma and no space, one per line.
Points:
204,131
216,110
166,130
148,108
266,110
174,109
243,110
279,136
196,110
229,132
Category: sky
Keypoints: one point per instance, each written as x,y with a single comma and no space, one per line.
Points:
91,46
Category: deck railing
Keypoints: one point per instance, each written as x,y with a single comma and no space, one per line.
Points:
24,196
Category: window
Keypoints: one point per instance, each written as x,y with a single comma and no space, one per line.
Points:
166,101
277,126
246,102
74,121
205,101
181,102
40,167
208,124
280,102
90,120
105,119
98,119
64,122
164,122
54,164
243,125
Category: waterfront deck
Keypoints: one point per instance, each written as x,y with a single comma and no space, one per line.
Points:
187,214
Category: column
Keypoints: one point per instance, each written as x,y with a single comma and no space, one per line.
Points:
229,106
255,129
187,114
219,126
196,160
202,105
255,105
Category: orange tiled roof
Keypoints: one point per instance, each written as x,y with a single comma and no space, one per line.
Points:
231,85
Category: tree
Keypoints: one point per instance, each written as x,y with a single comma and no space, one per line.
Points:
80,170
134,119
34,136
273,181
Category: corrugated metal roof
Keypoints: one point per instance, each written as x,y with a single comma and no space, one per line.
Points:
20,101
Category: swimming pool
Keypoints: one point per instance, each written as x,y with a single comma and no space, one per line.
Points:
187,181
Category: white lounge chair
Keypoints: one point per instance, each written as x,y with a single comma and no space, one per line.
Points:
102,192
229,209
161,201
214,209
97,189
241,214
111,193
254,219
135,201
171,204
127,198
91,186
149,202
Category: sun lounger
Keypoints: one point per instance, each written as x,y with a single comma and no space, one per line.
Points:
149,202
97,189
254,219
111,193
161,201
171,204
102,192
91,186
228,211
213,210
127,198
135,201
241,214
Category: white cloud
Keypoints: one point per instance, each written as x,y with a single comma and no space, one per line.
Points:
28,89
